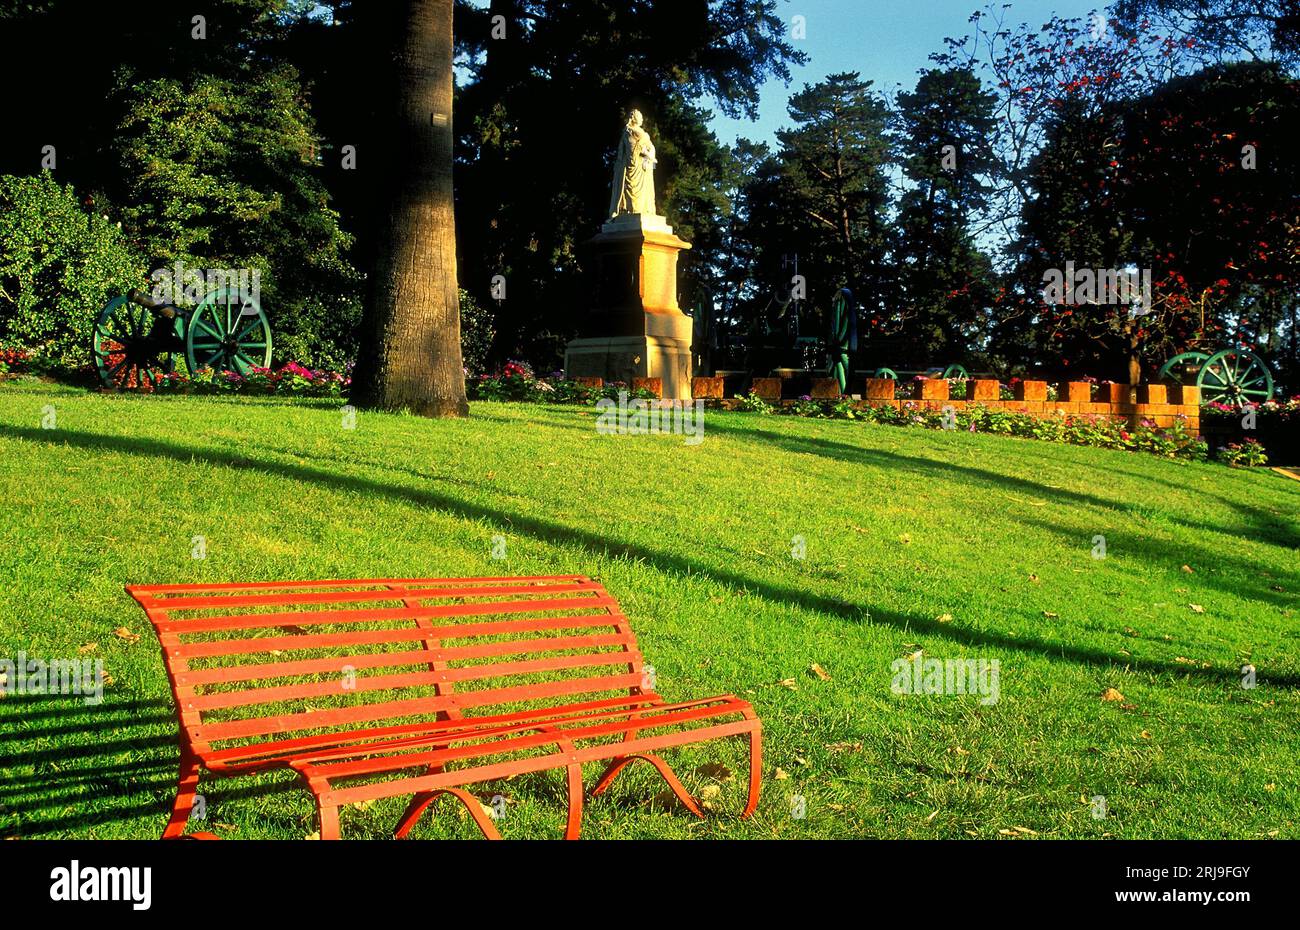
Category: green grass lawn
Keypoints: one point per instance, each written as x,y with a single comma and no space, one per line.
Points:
958,545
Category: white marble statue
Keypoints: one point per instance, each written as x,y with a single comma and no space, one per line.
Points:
634,171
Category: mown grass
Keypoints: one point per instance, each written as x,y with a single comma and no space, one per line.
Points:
959,545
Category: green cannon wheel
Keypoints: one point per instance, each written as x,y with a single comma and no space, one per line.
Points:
133,346
1235,376
887,373
228,332
1173,369
955,371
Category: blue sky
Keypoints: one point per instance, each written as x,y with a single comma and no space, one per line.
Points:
887,41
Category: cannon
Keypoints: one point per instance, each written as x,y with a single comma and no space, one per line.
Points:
138,338
947,373
1236,377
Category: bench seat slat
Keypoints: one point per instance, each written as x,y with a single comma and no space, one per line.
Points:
157,589
291,748
269,695
372,766
330,597
232,673
317,618
312,719
492,772
225,647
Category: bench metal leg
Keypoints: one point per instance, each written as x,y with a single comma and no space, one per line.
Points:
623,762
421,802
188,783
755,769
755,775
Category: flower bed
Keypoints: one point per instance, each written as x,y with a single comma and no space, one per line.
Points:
516,382
1275,432
291,380
1177,441
15,361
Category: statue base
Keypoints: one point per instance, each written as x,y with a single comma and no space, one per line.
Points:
635,329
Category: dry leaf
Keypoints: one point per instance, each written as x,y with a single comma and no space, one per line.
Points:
1033,578
800,760
819,672
89,647
123,633
905,538
715,770
1110,694
1145,734
845,747
782,775
943,618
1197,608
709,797
932,816
312,836
789,683
1049,615
1188,569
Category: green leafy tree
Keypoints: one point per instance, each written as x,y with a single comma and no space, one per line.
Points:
945,282
834,160
59,264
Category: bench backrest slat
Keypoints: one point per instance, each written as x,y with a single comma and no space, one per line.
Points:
249,661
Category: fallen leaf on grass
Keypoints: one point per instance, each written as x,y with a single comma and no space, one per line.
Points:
782,775
1049,615
715,770
905,538
820,672
89,647
1110,694
845,747
125,634
1145,734
1033,578
789,683
1197,608
931,817
1188,569
943,618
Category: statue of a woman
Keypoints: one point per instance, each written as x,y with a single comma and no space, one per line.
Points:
634,171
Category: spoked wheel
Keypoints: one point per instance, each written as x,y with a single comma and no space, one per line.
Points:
885,373
1188,363
1237,377
955,371
228,332
133,347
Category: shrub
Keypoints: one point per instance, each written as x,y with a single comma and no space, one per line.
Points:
1248,454
752,403
477,330
59,266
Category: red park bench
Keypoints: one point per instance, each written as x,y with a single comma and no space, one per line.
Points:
377,688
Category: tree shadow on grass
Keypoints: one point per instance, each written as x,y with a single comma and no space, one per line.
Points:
548,531
1259,525
68,766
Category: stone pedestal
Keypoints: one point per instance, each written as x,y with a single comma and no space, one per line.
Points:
635,328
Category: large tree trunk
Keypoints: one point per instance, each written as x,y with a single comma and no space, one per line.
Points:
410,350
